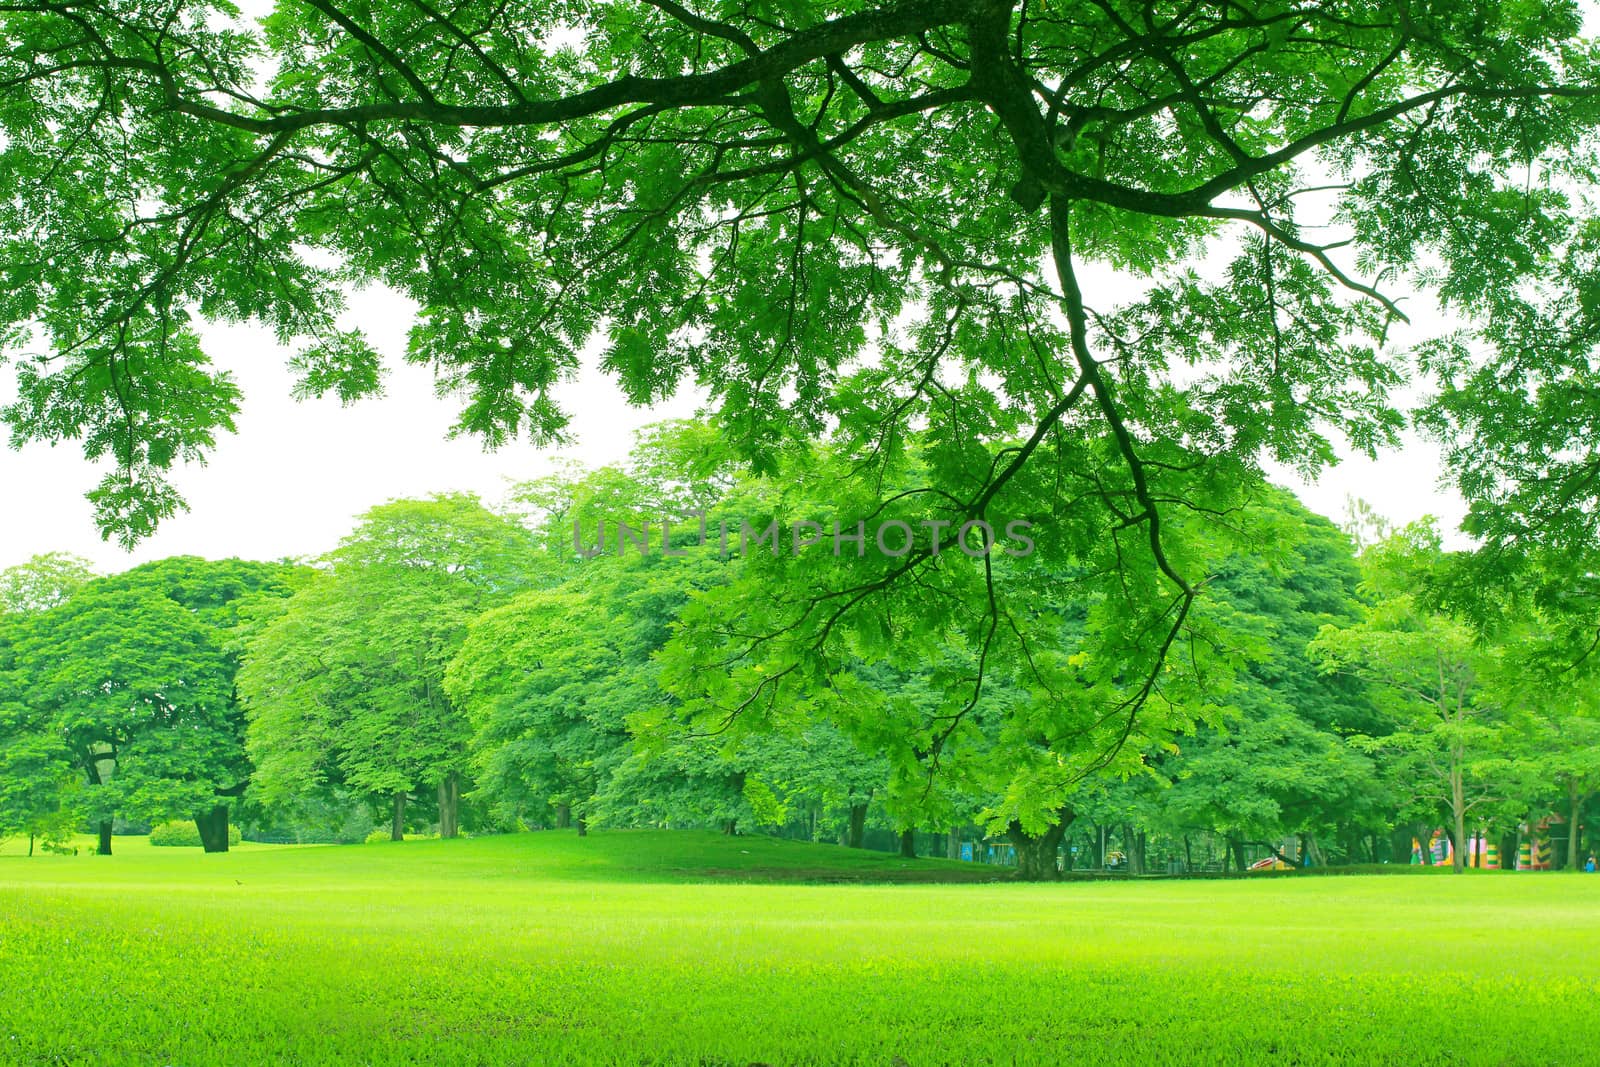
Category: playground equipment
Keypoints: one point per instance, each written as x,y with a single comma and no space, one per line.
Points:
1440,850
1482,855
1535,852
1481,852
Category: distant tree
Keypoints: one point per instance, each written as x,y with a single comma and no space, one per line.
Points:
40,789
131,680
1432,673
43,582
138,692
1276,762
546,683
1564,750
347,684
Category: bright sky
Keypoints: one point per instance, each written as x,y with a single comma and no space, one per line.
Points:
293,478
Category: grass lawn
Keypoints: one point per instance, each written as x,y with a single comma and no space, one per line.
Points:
686,948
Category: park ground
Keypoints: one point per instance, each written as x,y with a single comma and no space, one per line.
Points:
696,949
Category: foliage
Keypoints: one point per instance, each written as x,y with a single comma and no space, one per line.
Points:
872,228
346,685
1432,674
1278,763
127,686
184,835
43,582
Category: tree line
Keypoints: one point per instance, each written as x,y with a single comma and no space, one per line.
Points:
476,669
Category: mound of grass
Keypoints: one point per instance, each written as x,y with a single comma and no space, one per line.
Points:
621,948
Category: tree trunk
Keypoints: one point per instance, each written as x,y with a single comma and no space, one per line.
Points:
583,826
954,851
1135,845
449,805
1188,856
1458,815
858,825
1574,814
30,843
1237,844
397,824
1036,855
908,844
563,816
213,826
93,760
730,827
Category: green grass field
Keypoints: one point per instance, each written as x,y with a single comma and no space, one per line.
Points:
686,948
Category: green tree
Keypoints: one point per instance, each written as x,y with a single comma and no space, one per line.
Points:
138,692
43,582
547,682
39,786
996,672
1565,751
1553,746
1277,762
874,218
131,681
1432,672
37,781
346,686
556,681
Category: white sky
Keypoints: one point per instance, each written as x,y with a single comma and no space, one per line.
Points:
294,477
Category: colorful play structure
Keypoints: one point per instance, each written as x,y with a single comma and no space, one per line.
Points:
1534,852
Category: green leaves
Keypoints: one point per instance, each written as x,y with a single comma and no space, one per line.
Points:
814,223
122,694
344,364
346,685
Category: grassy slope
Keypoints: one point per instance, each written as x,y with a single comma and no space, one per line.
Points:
546,949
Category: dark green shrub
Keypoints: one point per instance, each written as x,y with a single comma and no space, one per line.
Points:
184,834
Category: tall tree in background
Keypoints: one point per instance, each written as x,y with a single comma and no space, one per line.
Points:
1277,763
547,683
871,217
40,787
38,781
1434,675
43,582
131,680
348,683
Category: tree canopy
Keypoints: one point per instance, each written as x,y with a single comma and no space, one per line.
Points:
1092,267
128,687
860,218
346,684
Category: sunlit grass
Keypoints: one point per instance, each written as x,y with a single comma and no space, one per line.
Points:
544,948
